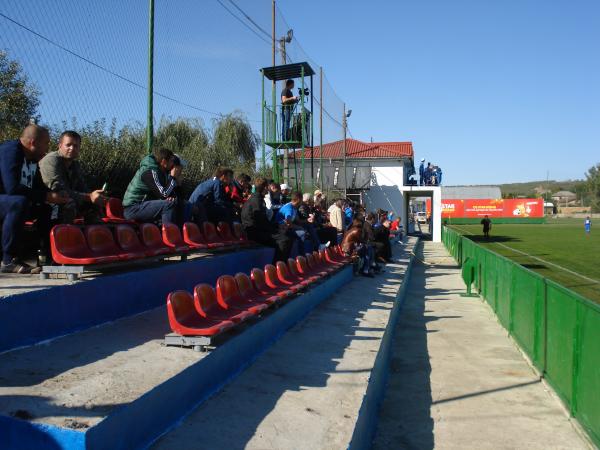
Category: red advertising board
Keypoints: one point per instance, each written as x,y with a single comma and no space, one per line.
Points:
453,208
473,208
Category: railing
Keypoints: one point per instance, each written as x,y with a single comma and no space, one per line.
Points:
298,126
557,328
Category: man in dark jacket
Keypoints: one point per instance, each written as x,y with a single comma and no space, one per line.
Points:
23,195
62,172
151,193
259,228
422,172
210,199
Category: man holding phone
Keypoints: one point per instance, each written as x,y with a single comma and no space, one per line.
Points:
61,172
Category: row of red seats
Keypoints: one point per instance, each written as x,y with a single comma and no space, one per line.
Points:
209,312
96,244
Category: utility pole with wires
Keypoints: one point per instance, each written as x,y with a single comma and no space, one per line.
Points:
286,154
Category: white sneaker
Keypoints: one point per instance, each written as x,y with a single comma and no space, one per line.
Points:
326,244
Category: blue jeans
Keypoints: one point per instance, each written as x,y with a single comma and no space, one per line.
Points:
286,118
151,211
14,210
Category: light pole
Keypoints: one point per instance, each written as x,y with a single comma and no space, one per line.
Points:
345,127
282,41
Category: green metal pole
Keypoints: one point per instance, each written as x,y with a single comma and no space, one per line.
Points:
150,119
303,129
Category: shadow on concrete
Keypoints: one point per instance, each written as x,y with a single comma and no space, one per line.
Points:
405,421
303,360
488,391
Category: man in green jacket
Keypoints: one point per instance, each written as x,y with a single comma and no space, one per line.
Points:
151,194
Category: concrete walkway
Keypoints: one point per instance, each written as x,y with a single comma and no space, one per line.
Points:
458,381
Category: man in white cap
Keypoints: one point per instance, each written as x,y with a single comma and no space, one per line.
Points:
285,193
422,172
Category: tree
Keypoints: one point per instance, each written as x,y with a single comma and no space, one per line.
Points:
592,181
234,142
19,98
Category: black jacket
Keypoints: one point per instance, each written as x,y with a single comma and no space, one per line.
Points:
254,215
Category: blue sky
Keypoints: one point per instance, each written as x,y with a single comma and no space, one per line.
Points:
491,91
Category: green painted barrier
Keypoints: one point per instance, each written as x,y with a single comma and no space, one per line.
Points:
557,328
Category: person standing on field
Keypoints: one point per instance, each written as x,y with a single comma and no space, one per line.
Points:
487,226
588,225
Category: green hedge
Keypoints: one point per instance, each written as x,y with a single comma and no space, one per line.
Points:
557,328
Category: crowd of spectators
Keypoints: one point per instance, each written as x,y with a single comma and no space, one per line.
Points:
430,175
50,188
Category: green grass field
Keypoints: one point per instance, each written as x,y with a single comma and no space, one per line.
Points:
559,250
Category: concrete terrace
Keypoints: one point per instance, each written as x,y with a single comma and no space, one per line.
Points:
457,380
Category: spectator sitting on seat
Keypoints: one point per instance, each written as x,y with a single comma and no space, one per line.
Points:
210,200
370,237
382,235
183,209
238,191
336,216
273,200
151,194
348,214
62,172
307,218
285,193
319,200
353,244
24,196
259,228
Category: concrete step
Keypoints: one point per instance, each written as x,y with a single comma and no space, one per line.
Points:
115,386
318,386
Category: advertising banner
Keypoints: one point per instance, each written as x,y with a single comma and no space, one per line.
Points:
498,208
453,208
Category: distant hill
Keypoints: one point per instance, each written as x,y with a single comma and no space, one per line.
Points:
539,188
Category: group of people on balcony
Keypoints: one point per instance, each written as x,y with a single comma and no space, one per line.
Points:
50,188
429,175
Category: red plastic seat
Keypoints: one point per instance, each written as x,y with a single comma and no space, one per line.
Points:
260,284
101,243
185,320
172,238
286,277
206,304
274,282
128,241
210,234
316,267
322,262
152,240
240,234
114,212
327,260
224,232
248,291
307,271
295,272
193,237
229,297
68,246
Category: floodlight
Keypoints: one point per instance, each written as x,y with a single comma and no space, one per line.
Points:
349,113
289,36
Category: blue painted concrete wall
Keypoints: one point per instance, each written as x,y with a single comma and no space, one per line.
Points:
138,424
48,313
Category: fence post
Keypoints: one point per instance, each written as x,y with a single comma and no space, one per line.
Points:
576,357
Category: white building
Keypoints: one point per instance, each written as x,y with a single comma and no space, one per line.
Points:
377,174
